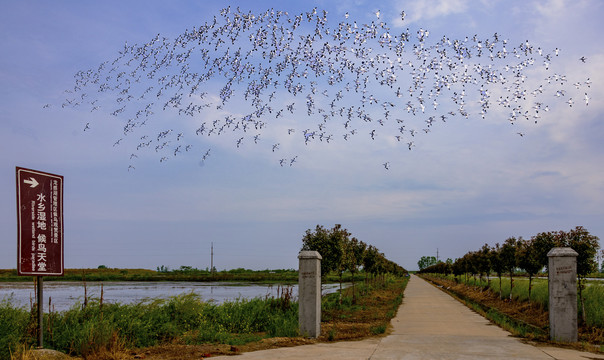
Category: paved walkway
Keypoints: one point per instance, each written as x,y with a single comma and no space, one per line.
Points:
429,325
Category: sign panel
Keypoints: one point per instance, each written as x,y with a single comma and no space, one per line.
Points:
39,223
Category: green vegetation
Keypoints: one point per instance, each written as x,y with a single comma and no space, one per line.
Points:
14,326
593,295
95,329
426,261
528,255
99,328
366,313
526,294
337,248
83,330
184,273
594,305
593,315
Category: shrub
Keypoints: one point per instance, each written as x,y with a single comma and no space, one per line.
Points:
13,328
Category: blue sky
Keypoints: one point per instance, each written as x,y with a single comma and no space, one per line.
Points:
465,183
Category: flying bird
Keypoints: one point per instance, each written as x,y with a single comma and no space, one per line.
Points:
336,77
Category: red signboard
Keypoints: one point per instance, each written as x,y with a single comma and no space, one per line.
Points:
39,223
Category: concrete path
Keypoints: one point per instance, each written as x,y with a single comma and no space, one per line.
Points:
429,325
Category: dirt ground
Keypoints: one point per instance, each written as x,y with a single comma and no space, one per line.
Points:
178,352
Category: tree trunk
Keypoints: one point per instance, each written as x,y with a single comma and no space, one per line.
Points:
340,288
530,286
583,315
500,291
511,284
354,299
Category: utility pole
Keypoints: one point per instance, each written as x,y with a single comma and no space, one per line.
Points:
212,259
437,255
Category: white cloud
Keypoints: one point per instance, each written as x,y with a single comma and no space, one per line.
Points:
421,10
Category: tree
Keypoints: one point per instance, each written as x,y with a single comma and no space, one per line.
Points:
370,260
163,269
471,264
358,249
341,237
380,265
426,261
508,257
466,264
497,263
586,245
484,262
319,241
341,253
542,243
439,268
528,260
458,268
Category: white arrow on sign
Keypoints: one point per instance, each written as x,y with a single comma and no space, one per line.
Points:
32,182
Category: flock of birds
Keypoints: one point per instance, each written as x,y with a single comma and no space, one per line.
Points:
298,75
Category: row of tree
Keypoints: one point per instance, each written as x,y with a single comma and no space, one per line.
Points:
340,253
528,255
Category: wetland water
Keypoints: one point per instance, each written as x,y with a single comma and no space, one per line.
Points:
65,294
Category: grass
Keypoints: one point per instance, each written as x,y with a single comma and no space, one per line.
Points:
519,316
167,329
185,273
594,305
86,330
376,304
14,328
539,291
594,295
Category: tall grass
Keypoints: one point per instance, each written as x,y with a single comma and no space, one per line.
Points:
539,292
594,305
337,307
13,328
184,318
594,295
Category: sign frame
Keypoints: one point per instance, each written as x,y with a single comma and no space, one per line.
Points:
39,223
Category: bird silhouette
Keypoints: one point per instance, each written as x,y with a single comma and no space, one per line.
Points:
344,77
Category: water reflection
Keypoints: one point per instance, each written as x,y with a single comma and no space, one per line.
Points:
64,295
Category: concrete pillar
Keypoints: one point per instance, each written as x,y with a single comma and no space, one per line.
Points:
309,293
562,276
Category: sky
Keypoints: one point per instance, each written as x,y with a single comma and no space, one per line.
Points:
465,182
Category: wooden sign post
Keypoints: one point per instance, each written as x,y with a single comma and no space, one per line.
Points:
39,230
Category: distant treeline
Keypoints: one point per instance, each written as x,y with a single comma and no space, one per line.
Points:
183,273
342,253
529,255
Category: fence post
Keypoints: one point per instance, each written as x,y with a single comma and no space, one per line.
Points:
562,279
309,293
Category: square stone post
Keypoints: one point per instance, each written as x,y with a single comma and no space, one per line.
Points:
309,293
562,278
